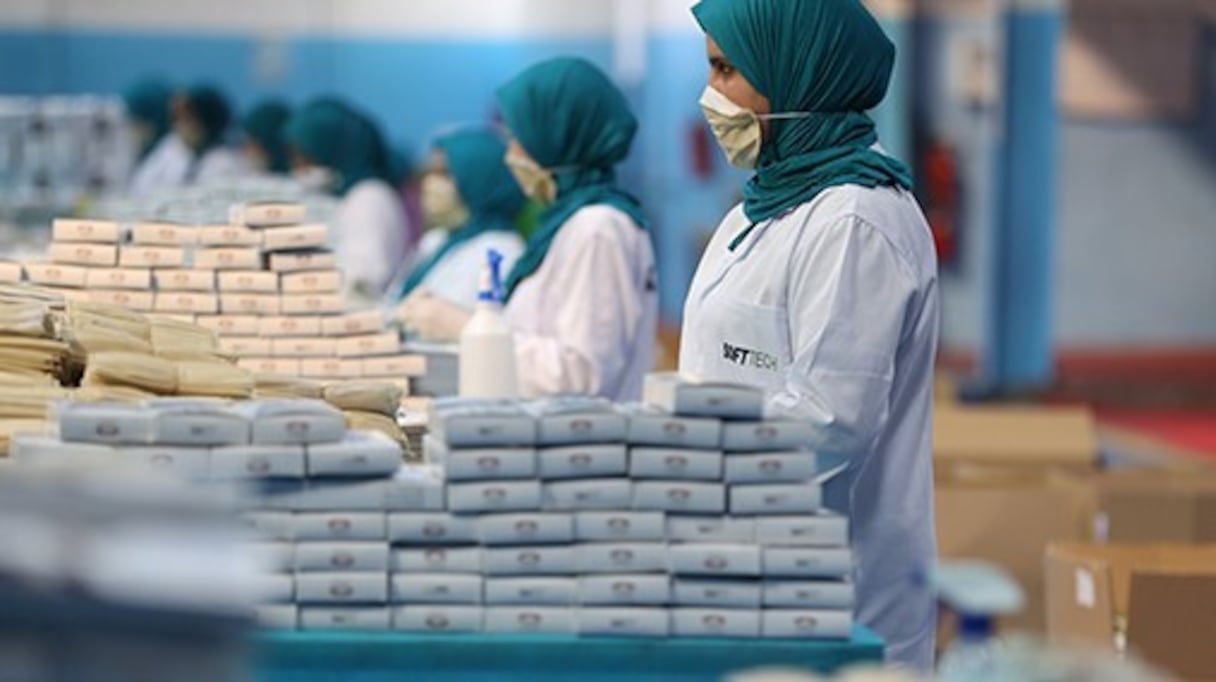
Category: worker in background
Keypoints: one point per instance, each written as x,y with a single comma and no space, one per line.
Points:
196,151
469,204
821,287
265,150
582,299
336,150
147,104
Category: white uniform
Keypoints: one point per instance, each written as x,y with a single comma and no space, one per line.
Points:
370,226
833,309
171,164
457,276
586,319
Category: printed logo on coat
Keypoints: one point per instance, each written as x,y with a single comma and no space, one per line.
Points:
749,357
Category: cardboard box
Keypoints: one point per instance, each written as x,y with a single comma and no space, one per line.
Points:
295,261
708,529
342,588
132,256
401,366
295,237
302,347
438,560
416,487
583,461
576,420
1016,436
330,368
685,497
425,529
360,454
164,234
268,525
33,449
271,557
341,556
687,622
228,235
311,282
284,366
436,588
809,594
105,423
588,494
228,258
318,304
385,343
196,423
464,423
687,397
735,594
438,618
257,461
530,619
289,422
97,231
494,496
295,325
628,622
619,526
1166,595
230,325
807,562
525,529
674,464
620,557
351,324
119,278
825,529
771,467
1155,506
141,301
547,560
248,282
810,624
244,346
186,302
249,304
330,526
93,255
625,590
184,280
715,560
780,498
185,462
360,619
654,427
548,591
473,464
277,616
52,275
266,213
11,273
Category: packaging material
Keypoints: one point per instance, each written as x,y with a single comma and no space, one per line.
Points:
619,526
64,294
619,557
11,273
272,557
654,427
320,304
184,279
624,590
32,449
311,282
574,420
771,467
530,619
342,556
27,355
341,588
266,213
228,235
715,560
588,494
281,386
289,422
375,422
25,319
494,496
247,346
428,529
96,231
735,594
809,594
438,618
276,588
53,275
385,343
257,461
296,325
360,454
686,622
111,394
350,324
436,588
687,397
93,255
464,423
1020,436
546,560
366,396
295,261
548,591
197,422
249,304
330,368
185,462
360,619
277,616
146,372
1155,506
91,339
168,333
525,529
402,366
281,366
474,464
119,278
416,487
807,562
674,464
132,256
248,281
295,237
214,379
815,624
685,497
438,560
337,525
1161,599
781,498
292,347
186,302
628,622
583,461
164,234
142,301
825,529
269,525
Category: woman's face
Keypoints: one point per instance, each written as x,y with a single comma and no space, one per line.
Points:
255,156
726,79
185,124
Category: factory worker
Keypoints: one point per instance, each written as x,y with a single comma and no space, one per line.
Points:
337,150
582,298
195,152
147,105
821,287
469,203
265,150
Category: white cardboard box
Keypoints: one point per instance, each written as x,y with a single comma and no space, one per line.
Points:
290,422
484,463
342,588
809,594
735,594
269,525
193,302
50,274
183,279
245,346
350,324
687,397
11,273
285,366
92,255
295,237
711,622
619,526
426,529
272,557
395,366
198,424
311,282
105,423
355,557
119,278
302,347
675,464
384,343
546,560
780,498
277,616
624,590
295,261
339,525
530,619
525,529
164,234
141,301
574,420
686,497
715,560
807,562
330,368
436,588
464,423
228,235
132,256
249,304
653,427
817,624
767,436
316,304
630,622
416,487
266,213
771,467
494,496
294,325
364,619
589,494
825,529
619,557
438,560
583,461
360,454
438,618
98,231
248,281
548,591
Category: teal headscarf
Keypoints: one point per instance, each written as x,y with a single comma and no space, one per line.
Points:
148,103
568,116
264,124
829,57
475,161
211,109
339,138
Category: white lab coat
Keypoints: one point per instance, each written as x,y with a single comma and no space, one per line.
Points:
457,276
833,309
171,164
370,225
586,319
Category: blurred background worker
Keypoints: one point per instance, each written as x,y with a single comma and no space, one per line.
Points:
470,203
265,149
196,150
147,108
822,286
582,298
336,150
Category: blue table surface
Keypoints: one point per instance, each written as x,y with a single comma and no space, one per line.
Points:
381,656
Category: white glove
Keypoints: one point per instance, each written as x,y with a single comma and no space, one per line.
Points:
432,317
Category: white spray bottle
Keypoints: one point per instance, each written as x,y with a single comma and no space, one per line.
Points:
487,347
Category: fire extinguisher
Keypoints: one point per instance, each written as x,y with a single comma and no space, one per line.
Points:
941,192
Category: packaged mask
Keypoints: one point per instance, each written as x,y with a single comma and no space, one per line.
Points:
536,182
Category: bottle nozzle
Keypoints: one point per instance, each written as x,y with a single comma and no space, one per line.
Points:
491,278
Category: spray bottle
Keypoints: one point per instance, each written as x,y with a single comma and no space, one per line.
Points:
487,347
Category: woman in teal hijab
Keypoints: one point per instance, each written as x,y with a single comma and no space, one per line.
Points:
196,151
265,148
147,105
821,288
582,298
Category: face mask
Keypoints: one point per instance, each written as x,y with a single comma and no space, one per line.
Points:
441,203
315,179
738,130
536,182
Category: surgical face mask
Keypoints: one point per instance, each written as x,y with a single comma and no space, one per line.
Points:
738,129
315,179
536,182
442,206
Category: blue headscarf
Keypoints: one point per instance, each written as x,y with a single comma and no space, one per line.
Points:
211,110
828,57
567,115
340,138
148,102
264,125
475,161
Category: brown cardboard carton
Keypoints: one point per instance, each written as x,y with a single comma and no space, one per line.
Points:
1166,595
385,343
302,347
350,324
249,304
295,237
231,325
312,304
228,235
289,325
98,231
1015,436
1146,505
331,368
11,273
248,281
52,275
285,366
186,302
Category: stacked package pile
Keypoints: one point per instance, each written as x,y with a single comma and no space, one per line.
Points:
31,360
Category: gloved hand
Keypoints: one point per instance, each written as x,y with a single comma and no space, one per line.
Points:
432,317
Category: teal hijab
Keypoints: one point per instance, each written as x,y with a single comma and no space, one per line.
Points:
148,103
340,138
264,124
828,57
571,119
475,161
210,107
